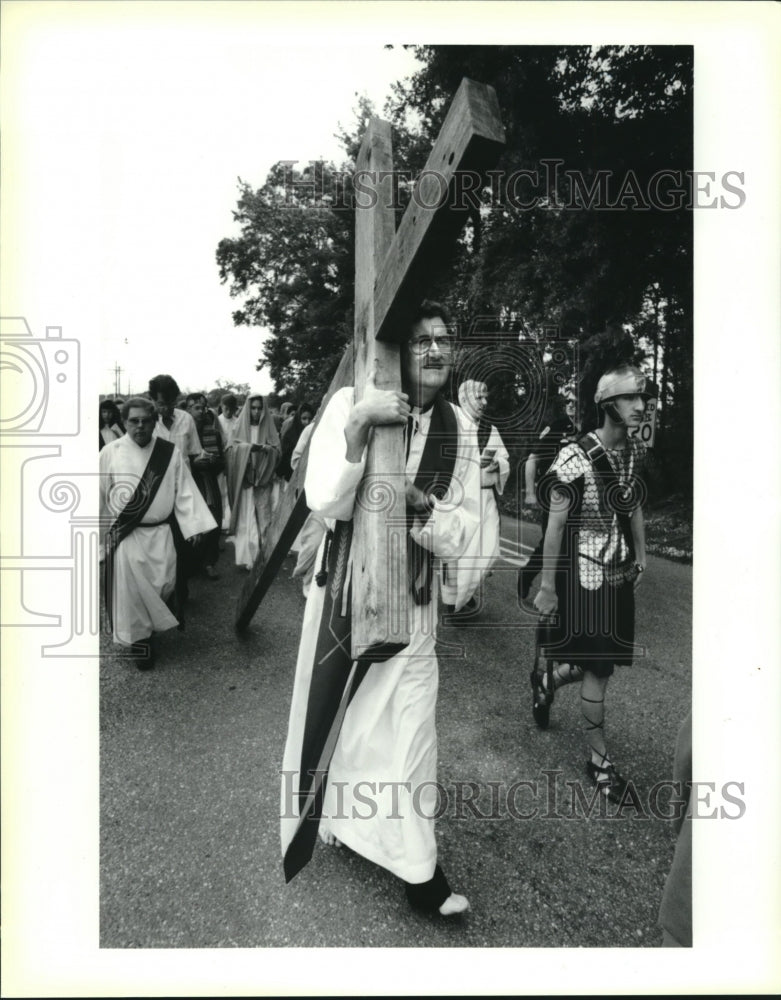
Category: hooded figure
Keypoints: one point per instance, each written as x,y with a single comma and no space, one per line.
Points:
468,573
252,459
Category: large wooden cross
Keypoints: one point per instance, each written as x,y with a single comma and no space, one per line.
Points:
392,272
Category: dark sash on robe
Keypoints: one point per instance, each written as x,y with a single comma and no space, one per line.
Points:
133,513
484,429
335,675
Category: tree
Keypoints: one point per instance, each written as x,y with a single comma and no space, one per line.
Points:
576,246
292,262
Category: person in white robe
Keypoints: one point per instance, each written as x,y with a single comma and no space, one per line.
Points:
145,561
252,459
307,542
476,565
226,421
173,424
387,746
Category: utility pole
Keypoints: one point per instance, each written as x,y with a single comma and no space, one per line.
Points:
117,373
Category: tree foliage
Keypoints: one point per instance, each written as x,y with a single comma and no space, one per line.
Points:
576,249
292,264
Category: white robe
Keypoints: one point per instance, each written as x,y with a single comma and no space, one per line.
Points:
227,426
389,732
255,505
466,575
145,562
183,433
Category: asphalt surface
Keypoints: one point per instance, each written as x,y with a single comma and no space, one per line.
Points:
190,759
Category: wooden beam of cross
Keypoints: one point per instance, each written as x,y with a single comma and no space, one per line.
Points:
379,625
392,274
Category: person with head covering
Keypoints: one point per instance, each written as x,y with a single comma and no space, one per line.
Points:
111,426
289,435
593,560
282,415
252,459
386,742
483,552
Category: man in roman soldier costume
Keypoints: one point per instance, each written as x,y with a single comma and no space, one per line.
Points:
593,560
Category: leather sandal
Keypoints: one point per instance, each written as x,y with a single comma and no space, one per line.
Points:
607,780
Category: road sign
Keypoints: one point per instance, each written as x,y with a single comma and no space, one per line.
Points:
646,430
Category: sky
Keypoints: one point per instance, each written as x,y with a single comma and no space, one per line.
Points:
135,125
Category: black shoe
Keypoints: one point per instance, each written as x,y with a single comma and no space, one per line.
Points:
607,780
542,696
143,654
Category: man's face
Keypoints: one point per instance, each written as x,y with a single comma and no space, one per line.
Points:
196,408
164,407
255,410
306,416
427,358
140,423
630,409
229,409
479,398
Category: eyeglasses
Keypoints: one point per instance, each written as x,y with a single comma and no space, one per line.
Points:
422,345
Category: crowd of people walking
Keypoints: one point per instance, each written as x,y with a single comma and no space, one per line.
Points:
217,483
181,480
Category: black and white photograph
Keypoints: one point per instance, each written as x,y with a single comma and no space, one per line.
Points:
414,596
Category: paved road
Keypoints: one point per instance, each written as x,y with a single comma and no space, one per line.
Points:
190,754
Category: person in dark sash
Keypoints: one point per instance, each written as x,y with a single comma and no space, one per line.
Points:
146,494
206,468
593,560
172,423
386,747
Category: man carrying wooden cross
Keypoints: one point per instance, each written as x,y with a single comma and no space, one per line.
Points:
380,796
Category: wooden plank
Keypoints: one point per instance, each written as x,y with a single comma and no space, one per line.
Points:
470,141
379,571
288,518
